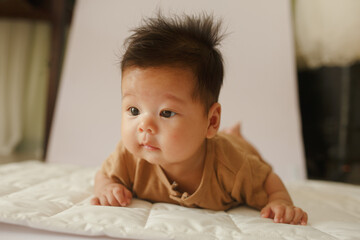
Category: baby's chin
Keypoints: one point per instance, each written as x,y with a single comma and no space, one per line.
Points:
152,156
151,159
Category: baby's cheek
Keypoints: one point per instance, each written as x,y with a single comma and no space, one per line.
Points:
173,143
128,129
180,144
173,137
129,141
181,141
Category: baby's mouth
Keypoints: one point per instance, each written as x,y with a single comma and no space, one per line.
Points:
149,147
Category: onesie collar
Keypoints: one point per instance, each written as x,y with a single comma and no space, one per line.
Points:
184,198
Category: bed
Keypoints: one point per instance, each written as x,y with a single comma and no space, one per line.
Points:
50,200
56,197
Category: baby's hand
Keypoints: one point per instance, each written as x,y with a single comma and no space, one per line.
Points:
113,194
284,212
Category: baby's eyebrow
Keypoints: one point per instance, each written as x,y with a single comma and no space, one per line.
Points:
126,95
174,98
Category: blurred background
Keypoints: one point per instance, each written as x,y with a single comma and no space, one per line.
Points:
33,37
327,38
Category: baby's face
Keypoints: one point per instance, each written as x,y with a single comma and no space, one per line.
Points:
161,122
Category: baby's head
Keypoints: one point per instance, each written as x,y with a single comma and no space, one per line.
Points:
172,73
188,42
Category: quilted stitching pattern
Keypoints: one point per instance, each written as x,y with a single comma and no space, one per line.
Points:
56,197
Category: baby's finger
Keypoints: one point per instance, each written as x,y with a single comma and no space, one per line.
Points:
128,196
119,195
288,215
265,212
297,216
95,201
278,213
124,201
112,200
104,201
304,219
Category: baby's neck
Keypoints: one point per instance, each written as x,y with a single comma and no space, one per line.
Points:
187,175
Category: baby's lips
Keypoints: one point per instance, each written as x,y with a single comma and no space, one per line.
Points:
149,146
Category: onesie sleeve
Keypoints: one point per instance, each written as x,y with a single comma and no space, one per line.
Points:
249,182
120,166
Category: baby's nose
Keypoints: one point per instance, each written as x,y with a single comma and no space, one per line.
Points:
147,125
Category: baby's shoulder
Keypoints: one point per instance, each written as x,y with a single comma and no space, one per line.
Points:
232,153
234,159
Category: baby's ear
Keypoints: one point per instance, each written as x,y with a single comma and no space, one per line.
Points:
214,117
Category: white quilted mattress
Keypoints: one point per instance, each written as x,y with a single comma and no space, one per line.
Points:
56,198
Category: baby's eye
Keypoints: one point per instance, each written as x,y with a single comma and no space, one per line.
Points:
167,114
134,111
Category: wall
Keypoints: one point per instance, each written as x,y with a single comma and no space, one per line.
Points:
259,90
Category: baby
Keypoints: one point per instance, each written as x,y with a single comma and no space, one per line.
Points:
171,150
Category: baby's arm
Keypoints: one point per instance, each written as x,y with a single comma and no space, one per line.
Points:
280,206
108,192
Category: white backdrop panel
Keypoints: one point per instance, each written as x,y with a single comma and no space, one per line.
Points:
260,87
